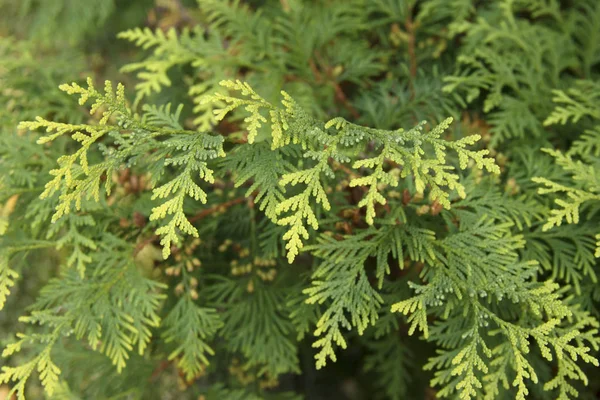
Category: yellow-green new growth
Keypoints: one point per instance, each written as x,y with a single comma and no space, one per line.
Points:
7,277
178,189
406,148
75,178
18,376
253,104
580,161
300,206
323,142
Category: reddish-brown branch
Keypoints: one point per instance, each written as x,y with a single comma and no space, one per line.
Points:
143,244
219,207
315,71
412,55
158,370
343,100
340,96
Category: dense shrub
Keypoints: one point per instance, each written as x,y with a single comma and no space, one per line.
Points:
357,199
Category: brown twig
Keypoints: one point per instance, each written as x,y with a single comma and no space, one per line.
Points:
343,100
158,370
315,71
144,243
219,207
340,96
412,56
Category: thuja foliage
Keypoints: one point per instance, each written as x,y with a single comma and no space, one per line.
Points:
300,199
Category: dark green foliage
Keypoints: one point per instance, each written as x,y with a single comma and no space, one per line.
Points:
300,199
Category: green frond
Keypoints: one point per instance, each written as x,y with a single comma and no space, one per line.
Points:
362,303
256,325
7,277
580,162
169,49
340,281
196,149
583,26
513,64
109,319
576,103
262,168
413,184
42,362
568,252
189,327
588,144
291,125
464,366
162,116
73,237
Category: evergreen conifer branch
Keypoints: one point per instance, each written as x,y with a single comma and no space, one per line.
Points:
169,48
580,162
77,180
576,103
193,247
292,125
109,319
473,284
8,275
195,150
190,326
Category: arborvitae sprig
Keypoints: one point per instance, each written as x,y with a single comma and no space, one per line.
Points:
576,104
342,270
75,179
464,288
134,136
190,326
170,49
420,258
513,63
107,318
336,140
